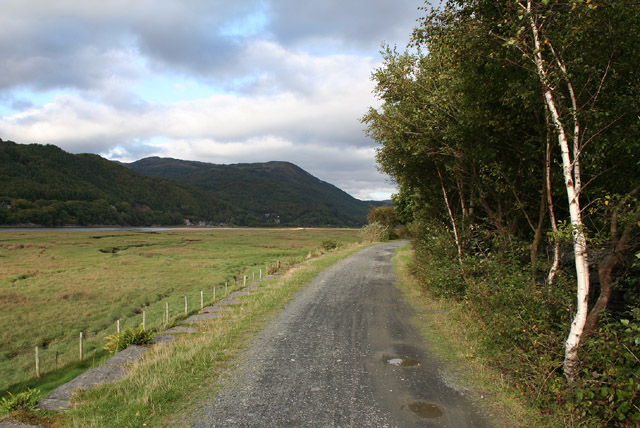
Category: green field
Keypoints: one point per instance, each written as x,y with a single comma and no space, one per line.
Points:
55,284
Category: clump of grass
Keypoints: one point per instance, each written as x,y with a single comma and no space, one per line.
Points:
329,244
24,401
375,232
132,336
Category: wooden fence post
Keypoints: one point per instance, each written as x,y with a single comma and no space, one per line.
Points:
244,284
201,299
166,313
118,326
144,320
80,347
214,294
186,306
225,288
37,362
260,273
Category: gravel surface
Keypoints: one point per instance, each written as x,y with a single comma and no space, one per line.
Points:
342,354
13,424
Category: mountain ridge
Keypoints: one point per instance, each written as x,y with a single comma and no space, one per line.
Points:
265,189
44,185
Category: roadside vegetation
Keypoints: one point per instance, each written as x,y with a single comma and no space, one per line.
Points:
384,224
512,131
56,284
452,333
166,387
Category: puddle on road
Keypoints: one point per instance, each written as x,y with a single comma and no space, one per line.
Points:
402,362
426,410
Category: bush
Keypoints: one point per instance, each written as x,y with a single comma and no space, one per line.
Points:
522,325
131,336
329,244
374,232
609,385
434,264
27,400
402,231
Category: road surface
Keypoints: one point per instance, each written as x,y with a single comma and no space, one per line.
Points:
342,354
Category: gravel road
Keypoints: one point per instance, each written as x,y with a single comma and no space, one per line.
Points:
342,354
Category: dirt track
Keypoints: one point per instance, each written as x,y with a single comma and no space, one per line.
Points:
342,354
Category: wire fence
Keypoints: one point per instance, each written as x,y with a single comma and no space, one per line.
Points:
89,345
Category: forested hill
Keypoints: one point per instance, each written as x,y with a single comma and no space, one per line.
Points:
279,192
44,185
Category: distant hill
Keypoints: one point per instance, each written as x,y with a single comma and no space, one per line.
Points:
278,192
44,185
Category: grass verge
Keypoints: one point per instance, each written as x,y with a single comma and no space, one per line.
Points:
451,335
166,386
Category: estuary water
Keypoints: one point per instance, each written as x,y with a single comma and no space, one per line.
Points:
83,229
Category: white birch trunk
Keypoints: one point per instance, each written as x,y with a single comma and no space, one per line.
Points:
451,217
552,214
571,172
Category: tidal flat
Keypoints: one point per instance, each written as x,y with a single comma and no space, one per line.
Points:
55,284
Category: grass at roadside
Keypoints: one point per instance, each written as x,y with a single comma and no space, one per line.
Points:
450,334
55,284
163,390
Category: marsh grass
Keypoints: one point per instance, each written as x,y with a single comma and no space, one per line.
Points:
452,336
55,284
171,381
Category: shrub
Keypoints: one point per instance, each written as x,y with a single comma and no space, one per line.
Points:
403,231
131,336
374,232
522,325
329,244
27,400
434,263
609,385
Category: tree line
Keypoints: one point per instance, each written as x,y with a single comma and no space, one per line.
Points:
44,185
512,129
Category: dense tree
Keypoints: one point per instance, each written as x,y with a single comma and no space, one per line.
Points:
46,186
274,193
517,121
385,215
93,190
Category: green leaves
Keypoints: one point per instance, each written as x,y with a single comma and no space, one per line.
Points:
26,400
470,104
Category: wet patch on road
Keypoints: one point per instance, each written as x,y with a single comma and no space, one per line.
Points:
425,410
401,362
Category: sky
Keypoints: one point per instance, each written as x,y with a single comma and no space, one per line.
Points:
221,81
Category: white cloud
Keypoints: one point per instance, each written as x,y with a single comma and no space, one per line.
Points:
209,80
328,112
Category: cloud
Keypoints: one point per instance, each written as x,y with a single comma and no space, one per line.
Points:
15,102
355,24
328,111
46,49
249,80
347,167
70,44
222,129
